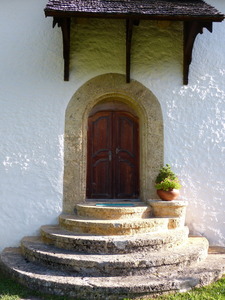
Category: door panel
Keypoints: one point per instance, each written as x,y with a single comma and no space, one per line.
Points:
127,156
99,171
113,156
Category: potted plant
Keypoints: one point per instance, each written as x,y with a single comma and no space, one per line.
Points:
167,184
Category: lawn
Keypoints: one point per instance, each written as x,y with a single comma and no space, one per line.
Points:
11,290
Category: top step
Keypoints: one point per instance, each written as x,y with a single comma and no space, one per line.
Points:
113,211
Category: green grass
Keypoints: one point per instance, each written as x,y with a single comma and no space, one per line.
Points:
215,291
11,290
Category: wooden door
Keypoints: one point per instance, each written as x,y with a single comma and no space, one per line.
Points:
113,156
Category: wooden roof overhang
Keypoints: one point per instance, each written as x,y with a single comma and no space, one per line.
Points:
195,15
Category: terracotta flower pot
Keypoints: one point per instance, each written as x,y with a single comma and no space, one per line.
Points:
168,195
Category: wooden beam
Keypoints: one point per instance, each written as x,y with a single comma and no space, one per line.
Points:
191,30
64,24
129,31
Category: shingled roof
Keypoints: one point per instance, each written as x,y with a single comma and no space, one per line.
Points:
150,9
195,15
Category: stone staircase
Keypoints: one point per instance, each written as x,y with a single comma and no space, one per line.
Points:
134,251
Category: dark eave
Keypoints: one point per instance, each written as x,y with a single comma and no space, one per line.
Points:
195,14
153,9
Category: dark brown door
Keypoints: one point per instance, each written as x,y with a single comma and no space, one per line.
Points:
113,156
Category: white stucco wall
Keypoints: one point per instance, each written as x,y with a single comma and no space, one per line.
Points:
34,97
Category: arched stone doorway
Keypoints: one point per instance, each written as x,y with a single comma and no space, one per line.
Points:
140,101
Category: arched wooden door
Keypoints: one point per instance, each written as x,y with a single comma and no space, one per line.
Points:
113,156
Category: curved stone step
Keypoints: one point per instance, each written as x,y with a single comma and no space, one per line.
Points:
117,227
194,250
56,282
94,210
153,241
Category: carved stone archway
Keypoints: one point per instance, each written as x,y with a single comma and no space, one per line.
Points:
139,99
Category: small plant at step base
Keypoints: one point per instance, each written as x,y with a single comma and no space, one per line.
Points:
167,180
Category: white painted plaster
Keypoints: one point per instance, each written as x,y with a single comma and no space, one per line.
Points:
34,97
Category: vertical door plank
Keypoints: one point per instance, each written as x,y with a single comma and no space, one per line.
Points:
126,156
99,163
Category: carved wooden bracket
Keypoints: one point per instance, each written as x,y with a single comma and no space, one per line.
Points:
191,30
64,23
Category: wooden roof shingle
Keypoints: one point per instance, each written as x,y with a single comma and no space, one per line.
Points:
165,9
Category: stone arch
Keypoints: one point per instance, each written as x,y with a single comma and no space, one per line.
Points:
142,101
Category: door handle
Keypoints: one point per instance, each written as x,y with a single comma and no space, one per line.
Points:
117,150
110,155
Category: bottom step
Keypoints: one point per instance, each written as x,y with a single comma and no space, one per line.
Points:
112,288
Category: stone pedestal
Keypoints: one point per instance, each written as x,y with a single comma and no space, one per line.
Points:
168,209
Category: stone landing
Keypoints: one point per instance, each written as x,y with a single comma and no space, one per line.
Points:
115,253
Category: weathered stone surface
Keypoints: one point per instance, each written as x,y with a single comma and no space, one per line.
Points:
162,209
116,227
112,288
139,210
194,250
107,266
175,223
153,241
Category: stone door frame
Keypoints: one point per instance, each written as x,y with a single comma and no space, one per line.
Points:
147,107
